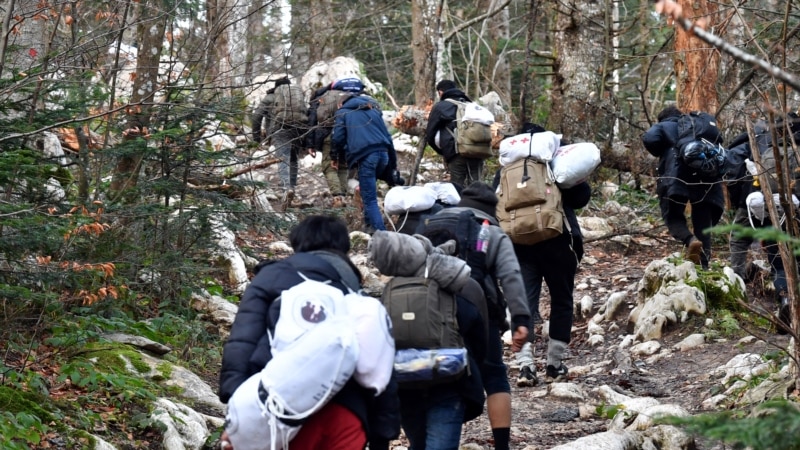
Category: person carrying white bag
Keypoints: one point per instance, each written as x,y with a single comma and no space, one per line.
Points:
365,409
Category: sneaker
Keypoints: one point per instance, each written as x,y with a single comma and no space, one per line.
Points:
552,374
784,316
527,377
694,250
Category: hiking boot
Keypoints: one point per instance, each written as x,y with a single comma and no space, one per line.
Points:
338,202
784,316
288,196
527,377
694,250
556,374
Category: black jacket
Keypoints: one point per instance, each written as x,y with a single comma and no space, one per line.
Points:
442,119
247,349
676,180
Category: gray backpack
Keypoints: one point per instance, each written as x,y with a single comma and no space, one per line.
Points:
423,314
290,105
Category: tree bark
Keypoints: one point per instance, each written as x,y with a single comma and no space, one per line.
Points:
696,63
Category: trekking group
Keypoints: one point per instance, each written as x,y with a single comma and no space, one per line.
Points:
427,356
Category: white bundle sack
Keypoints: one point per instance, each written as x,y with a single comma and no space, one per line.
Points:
297,382
539,146
757,207
574,163
476,113
248,422
303,307
445,192
402,199
376,350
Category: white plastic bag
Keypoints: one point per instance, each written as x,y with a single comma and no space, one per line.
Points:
445,192
402,199
539,146
303,307
574,163
373,329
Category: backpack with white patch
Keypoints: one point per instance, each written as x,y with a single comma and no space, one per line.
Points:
473,130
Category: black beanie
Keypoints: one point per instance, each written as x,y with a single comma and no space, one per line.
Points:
531,128
479,196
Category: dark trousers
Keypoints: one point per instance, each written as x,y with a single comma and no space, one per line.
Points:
556,263
704,215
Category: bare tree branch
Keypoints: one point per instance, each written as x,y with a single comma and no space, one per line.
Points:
474,20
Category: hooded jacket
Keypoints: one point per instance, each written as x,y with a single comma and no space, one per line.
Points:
442,120
248,350
359,130
398,254
675,180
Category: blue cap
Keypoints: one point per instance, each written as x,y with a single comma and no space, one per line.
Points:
350,84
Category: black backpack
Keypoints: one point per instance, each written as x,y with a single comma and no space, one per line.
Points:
699,145
464,228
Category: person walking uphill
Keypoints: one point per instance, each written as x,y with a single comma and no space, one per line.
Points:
679,185
497,265
354,416
286,111
360,134
442,122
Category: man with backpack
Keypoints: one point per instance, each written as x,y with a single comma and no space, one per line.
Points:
354,416
361,137
495,267
324,105
554,261
286,110
433,404
679,184
440,135
744,186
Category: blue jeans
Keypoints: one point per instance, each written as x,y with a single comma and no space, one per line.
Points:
368,168
432,420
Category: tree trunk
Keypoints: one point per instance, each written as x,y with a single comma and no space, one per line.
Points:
426,31
576,101
696,63
150,35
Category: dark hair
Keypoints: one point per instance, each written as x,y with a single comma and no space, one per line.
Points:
445,85
320,233
669,111
531,128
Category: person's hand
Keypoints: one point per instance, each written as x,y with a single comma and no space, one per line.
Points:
312,152
335,165
519,338
224,443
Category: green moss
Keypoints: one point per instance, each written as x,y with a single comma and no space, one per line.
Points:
165,369
16,401
112,357
720,293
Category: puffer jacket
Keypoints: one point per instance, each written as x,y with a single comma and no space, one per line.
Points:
247,349
442,120
359,131
675,180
